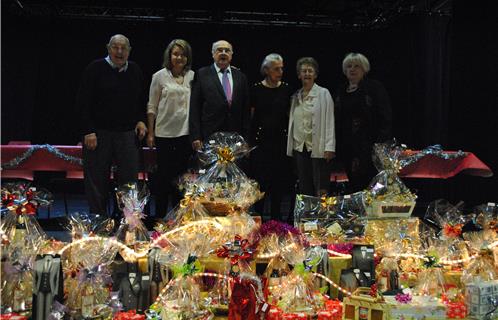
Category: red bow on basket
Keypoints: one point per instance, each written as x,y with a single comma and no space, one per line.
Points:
236,250
452,231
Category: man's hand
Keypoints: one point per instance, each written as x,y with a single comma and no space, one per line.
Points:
90,141
328,155
151,140
196,145
140,130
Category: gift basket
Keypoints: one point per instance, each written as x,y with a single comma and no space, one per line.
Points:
330,219
223,184
86,264
132,232
450,221
296,294
387,195
22,240
20,227
181,298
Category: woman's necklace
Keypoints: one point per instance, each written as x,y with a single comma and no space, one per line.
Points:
178,79
352,88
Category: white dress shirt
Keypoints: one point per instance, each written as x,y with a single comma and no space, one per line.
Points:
170,103
220,76
323,126
303,121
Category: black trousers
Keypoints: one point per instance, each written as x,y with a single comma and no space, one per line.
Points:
173,156
313,173
121,148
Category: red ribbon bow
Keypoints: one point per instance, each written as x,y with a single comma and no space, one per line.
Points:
452,231
236,250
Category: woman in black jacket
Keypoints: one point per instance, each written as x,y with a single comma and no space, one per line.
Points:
363,117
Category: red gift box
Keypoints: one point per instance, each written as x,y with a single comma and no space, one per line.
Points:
12,316
274,313
294,316
456,310
334,305
129,315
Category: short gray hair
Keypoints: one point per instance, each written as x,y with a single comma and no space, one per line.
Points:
307,60
117,36
216,44
358,58
268,60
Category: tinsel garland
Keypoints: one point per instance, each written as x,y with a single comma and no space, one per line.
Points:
435,150
12,164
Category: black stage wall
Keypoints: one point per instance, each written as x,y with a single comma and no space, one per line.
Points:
439,71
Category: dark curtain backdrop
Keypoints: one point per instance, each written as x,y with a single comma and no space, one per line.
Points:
436,69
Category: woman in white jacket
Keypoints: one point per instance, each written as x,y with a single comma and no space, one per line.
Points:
311,135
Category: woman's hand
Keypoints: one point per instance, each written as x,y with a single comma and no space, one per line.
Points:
328,155
151,140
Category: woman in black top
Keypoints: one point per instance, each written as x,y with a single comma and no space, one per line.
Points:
363,117
270,102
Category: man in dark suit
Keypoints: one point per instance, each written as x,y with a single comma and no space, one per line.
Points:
219,99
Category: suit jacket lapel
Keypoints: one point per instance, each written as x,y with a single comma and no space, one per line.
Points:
216,79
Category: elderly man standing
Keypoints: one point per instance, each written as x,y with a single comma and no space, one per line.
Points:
220,98
111,105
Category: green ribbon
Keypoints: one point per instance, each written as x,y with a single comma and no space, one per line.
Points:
192,266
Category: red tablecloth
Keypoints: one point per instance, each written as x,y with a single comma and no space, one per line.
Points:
432,166
42,160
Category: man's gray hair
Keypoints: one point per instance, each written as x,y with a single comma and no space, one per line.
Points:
116,37
216,44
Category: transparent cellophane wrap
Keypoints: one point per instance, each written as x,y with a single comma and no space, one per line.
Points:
384,271
450,220
17,280
277,269
273,235
182,297
486,216
190,217
430,281
131,199
330,219
19,227
87,274
482,266
386,195
223,184
296,293
393,236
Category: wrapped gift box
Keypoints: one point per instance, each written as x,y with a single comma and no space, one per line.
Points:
337,264
419,308
360,305
384,232
479,297
384,209
456,310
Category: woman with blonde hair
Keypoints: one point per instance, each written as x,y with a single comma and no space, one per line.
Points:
167,120
363,113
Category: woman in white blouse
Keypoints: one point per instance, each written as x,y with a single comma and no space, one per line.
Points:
311,138
167,120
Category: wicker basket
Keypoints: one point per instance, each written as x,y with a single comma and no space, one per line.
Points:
218,208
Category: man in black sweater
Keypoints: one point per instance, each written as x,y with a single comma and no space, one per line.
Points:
111,106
